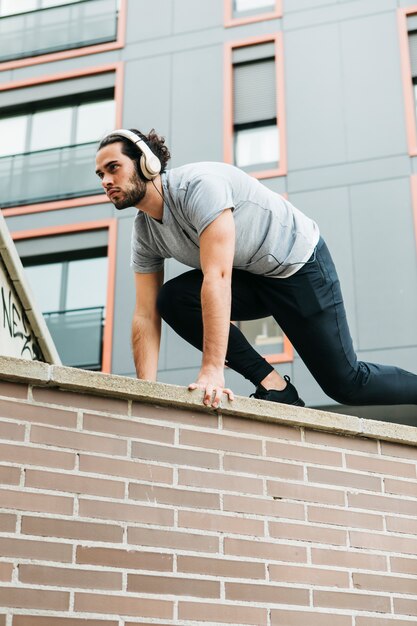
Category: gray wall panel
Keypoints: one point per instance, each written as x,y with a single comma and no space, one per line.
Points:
57,218
385,264
192,15
315,127
145,21
337,12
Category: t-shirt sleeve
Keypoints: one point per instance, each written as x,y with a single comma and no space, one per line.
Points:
143,259
205,199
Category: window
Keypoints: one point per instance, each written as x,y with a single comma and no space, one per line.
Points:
252,6
244,11
256,143
69,276
13,7
268,339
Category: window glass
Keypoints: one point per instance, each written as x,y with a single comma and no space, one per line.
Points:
249,5
54,3
10,7
87,283
262,332
13,135
45,281
94,119
257,145
51,129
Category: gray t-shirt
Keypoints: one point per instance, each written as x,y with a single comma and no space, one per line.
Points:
273,238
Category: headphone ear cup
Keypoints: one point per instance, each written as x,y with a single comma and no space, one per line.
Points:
150,166
147,174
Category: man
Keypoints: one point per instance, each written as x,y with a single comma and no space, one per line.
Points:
254,255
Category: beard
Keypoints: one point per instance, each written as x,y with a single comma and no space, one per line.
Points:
134,193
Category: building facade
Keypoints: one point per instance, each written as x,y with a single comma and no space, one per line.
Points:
316,98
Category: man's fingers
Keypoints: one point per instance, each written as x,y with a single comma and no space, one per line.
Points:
229,393
208,394
217,397
192,386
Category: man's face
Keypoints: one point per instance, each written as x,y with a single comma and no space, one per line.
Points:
119,177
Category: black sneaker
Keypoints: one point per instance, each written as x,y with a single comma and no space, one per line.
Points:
289,395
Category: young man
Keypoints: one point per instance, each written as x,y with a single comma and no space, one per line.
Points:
254,255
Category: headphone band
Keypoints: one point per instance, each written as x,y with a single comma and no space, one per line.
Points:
150,165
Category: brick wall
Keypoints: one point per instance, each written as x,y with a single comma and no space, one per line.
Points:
115,512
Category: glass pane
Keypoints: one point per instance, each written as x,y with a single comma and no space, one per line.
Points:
10,7
51,129
13,135
54,3
263,332
250,5
45,281
94,120
87,283
257,145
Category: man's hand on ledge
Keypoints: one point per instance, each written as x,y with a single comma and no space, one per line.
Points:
211,381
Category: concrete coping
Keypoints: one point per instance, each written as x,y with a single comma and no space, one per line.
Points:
97,383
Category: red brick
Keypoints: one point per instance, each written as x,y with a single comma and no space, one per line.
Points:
271,594
31,455
123,605
180,497
261,467
38,502
127,469
78,441
265,506
401,487
381,503
405,606
224,613
352,601
171,539
330,440
380,621
12,431
220,481
9,475
303,453
69,577
175,455
348,559
313,576
80,400
383,542
175,416
126,559
164,585
388,584
220,523
380,466
345,479
344,517
71,529
6,570
28,412
266,550
41,620
7,523
126,512
306,493
302,618
32,599
214,441
74,483
308,532
407,525
261,429
404,565
128,428
39,550
13,390
398,450
225,568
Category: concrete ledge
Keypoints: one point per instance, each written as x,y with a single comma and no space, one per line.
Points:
73,379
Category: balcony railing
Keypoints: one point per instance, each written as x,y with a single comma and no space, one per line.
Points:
78,336
45,175
65,27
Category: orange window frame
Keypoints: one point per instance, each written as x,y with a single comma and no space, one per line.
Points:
409,102
76,52
111,226
277,39
118,69
229,20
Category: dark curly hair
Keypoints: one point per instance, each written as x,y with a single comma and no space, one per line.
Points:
154,141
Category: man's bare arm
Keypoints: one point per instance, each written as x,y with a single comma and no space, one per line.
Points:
146,325
217,246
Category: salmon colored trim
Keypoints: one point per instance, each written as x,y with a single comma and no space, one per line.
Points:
280,99
229,20
111,225
409,102
118,68
414,203
77,52
286,356
54,206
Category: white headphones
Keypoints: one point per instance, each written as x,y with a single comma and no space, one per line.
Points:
150,165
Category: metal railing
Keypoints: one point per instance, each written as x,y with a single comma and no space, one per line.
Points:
83,23
78,336
45,175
